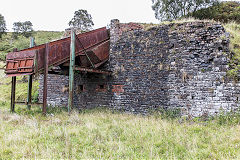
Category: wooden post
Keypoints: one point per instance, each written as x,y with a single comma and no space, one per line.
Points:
29,96
71,71
13,93
44,109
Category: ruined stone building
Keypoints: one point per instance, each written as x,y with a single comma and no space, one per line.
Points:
180,65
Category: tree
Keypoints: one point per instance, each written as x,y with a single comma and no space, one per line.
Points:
3,28
81,20
173,9
22,28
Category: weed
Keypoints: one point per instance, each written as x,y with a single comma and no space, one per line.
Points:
166,113
229,118
203,70
35,97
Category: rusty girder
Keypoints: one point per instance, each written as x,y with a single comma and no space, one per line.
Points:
92,50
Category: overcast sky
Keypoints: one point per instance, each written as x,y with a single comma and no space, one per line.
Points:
54,15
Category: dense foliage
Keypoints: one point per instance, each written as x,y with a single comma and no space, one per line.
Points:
82,20
2,26
22,28
223,12
173,9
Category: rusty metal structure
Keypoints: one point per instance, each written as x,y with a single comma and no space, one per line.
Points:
84,52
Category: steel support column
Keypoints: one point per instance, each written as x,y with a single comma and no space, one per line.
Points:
29,93
13,91
71,71
44,109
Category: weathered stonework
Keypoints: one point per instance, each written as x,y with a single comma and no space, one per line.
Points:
57,89
90,90
173,66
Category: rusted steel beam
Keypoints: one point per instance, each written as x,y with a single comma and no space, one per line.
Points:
59,53
71,71
29,93
60,49
99,64
84,50
13,91
22,74
36,63
44,109
92,70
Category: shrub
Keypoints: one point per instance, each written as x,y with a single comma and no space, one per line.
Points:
2,56
6,47
223,12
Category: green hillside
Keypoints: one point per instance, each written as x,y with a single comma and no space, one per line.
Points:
7,43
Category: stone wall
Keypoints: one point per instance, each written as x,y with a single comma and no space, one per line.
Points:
57,89
172,66
90,90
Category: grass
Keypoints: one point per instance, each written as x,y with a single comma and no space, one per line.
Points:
148,26
187,20
21,88
234,30
103,134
